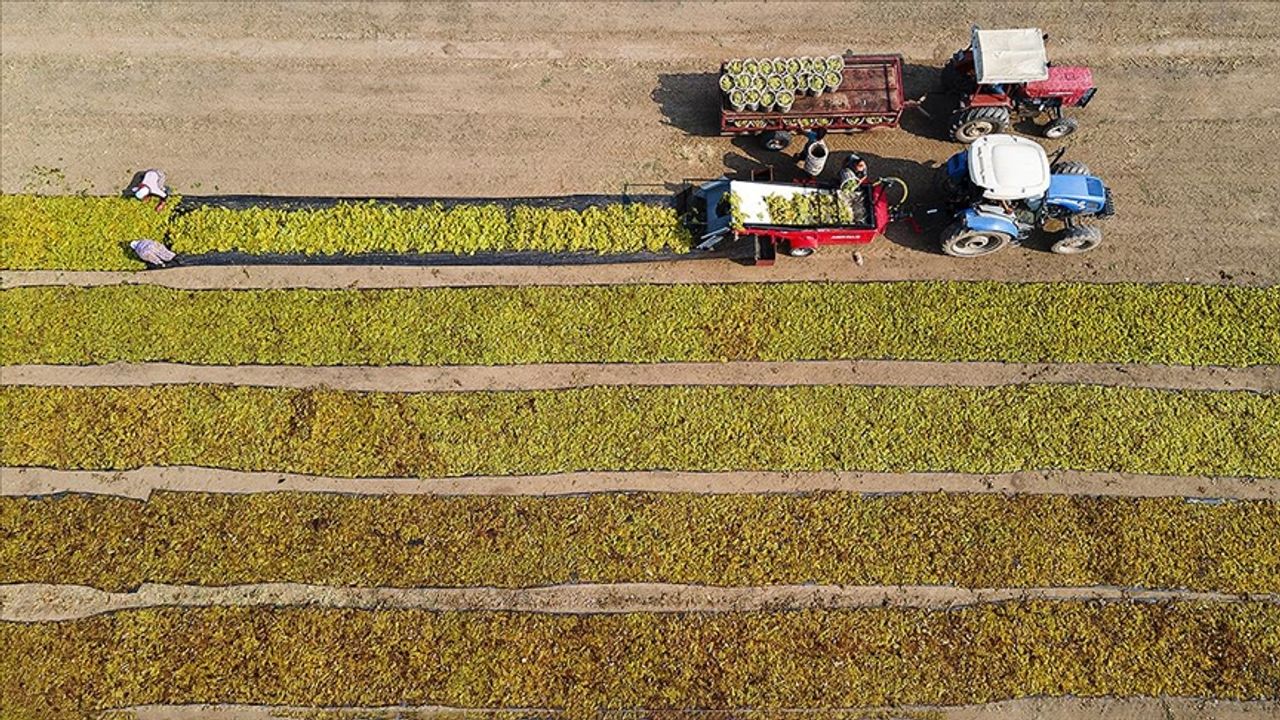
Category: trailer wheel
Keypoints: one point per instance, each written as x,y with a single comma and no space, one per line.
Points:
973,123
777,141
960,241
794,251
1070,167
1078,239
1059,128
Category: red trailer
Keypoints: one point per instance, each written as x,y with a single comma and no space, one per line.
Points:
869,96
794,217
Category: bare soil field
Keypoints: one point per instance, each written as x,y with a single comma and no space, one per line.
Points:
511,100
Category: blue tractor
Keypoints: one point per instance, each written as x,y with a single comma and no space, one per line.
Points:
1003,188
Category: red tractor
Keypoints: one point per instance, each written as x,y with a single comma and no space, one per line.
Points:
1005,74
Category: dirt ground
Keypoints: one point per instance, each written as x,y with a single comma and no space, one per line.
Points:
502,100
557,376
37,603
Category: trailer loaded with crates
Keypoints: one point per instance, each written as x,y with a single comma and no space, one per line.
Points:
868,95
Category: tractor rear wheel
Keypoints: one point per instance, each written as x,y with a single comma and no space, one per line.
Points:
961,241
1078,239
777,141
1070,167
973,123
1059,128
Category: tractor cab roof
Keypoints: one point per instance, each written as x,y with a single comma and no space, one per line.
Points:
1008,167
1009,56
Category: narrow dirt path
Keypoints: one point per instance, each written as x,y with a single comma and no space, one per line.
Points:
571,375
35,602
140,483
1064,708
829,265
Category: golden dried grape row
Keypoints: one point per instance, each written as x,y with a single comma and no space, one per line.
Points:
705,428
588,663
942,321
973,541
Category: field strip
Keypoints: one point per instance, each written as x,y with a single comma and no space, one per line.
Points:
823,267
1171,324
1042,708
817,657
610,428
847,539
140,483
557,376
36,602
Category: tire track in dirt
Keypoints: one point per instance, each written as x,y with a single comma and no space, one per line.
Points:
140,483
1041,708
556,376
38,603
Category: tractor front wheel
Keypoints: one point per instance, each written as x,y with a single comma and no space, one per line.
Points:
1059,128
1078,239
777,141
961,241
799,251
1070,167
973,123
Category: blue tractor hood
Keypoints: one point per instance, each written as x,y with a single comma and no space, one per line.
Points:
1077,193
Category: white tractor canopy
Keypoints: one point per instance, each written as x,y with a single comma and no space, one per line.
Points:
1009,56
1008,167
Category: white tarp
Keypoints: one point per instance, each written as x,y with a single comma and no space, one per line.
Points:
1009,56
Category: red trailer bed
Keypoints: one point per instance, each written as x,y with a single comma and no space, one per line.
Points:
869,96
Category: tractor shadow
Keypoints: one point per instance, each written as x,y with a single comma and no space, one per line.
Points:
931,119
690,102
921,232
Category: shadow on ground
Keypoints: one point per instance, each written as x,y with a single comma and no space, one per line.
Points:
690,102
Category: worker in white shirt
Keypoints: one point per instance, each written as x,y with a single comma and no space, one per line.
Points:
151,185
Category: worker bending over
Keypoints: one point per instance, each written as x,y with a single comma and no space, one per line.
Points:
151,185
853,173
